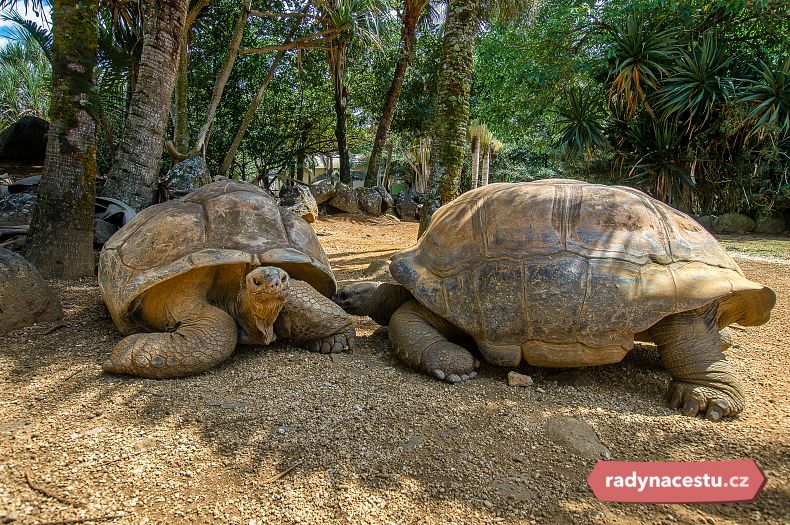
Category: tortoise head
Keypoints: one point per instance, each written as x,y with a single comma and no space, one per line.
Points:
261,298
357,298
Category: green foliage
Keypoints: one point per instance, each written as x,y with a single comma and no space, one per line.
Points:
769,94
580,118
25,74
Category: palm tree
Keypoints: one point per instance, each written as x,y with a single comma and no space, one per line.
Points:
410,15
453,91
135,170
486,139
474,132
346,20
60,241
452,105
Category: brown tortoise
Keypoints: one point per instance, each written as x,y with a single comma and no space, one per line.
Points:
562,273
186,280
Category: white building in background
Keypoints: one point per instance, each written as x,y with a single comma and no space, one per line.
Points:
319,167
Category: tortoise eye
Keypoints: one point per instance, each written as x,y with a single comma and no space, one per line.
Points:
256,281
344,295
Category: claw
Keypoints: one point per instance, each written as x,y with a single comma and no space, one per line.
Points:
691,407
439,374
454,378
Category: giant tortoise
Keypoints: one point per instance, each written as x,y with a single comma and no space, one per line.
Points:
186,280
562,273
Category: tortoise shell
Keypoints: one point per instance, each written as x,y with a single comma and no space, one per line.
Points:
224,223
567,273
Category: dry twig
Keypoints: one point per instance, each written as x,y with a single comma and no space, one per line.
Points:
283,473
46,492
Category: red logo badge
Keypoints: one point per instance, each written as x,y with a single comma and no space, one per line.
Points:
677,482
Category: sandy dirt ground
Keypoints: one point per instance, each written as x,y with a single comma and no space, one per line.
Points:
279,435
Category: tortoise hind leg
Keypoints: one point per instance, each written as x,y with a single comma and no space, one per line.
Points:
703,381
419,340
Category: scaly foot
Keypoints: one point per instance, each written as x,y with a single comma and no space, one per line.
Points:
333,344
693,399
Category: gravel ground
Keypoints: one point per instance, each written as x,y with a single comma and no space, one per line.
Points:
279,435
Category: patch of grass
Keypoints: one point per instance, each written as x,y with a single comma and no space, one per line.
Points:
757,246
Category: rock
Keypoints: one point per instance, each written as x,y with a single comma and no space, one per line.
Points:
706,221
387,201
345,198
17,209
10,517
733,223
773,224
575,436
378,270
369,200
516,379
408,205
25,298
102,231
188,175
24,141
299,200
28,184
323,191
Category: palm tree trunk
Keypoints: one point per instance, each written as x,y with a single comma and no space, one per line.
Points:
411,14
452,110
337,59
475,160
486,165
135,170
60,241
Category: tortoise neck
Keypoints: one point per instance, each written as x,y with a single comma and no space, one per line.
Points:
385,300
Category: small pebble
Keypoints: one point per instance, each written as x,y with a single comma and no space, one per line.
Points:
516,379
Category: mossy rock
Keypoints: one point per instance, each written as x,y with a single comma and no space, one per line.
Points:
773,224
733,223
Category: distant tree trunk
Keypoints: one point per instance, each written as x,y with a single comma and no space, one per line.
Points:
181,120
60,241
387,182
486,165
452,109
135,171
245,123
475,168
411,14
337,59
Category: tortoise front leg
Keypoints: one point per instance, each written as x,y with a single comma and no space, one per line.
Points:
419,340
314,321
190,335
704,382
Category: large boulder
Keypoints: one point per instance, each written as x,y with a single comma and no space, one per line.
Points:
24,141
25,298
387,201
188,175
408,204
16,209
299,200
323,191
369,200
733,223
773,224
345,198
